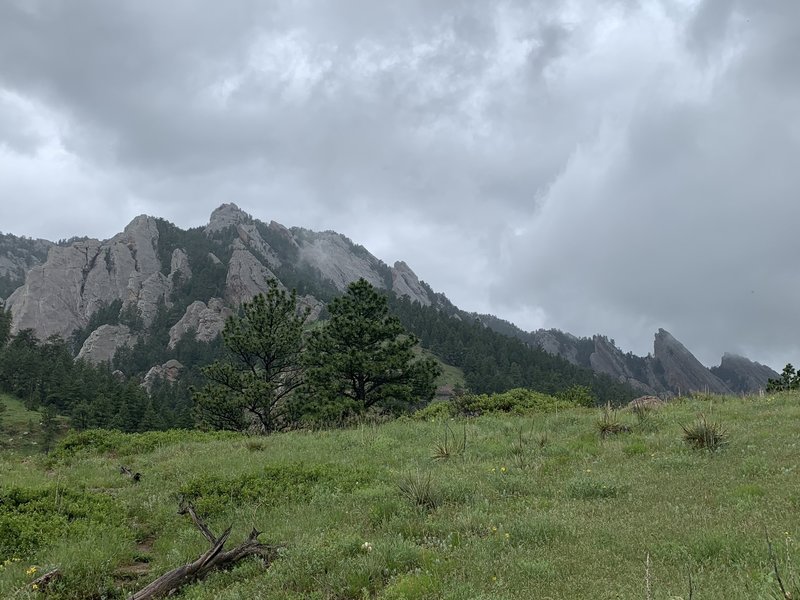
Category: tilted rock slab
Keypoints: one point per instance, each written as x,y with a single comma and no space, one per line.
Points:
103,343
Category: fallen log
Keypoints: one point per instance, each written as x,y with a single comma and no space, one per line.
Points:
214,558
127,472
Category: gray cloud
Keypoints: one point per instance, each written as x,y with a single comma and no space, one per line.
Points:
613,166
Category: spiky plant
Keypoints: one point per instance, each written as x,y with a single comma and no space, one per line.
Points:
705,435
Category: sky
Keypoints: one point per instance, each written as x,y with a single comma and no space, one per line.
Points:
599,167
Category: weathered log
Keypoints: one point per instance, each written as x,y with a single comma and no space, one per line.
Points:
213,559
42,582
126,471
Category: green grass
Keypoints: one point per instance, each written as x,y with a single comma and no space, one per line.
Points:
538,506
19,427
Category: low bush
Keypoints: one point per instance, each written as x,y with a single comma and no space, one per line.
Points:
705,435
111,441
516,401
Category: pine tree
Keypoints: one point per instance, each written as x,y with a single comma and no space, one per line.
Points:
256,382
363,357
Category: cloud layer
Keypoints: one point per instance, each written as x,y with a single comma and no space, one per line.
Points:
600,167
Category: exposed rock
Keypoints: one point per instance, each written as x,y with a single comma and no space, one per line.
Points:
646,402
225,216
406,283
743,375
680,370
250,237
246,276
609,359
148,294
170,371
338,259
179,263
207,321
17,256
61,294
214,258
557,343
103,343
315,307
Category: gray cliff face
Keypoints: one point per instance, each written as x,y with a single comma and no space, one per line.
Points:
17,256
247,276
743,375
557,343
61,294
680,370
225,216
406,283
103,343
206,320
609,359
333,255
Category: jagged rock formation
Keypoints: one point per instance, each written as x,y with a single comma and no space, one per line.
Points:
103,343
61,294
170,371
225,216
406,283
339,260
207,321
247,276
743,375
680,370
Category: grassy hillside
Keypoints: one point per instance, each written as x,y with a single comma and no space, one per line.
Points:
537,506
19,427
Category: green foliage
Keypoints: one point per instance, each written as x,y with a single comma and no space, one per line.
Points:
578,395
495,362
5,324
273,484
449,445
705,435
112,442
789,380
418,488
362,357
609,423
50,427
30,518
257,381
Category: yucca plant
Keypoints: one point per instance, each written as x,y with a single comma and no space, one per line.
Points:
609,424
449,446
705,435
420,491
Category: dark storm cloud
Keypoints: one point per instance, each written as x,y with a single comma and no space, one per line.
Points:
582,165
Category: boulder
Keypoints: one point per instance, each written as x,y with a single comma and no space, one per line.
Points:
207,321
103,343
170,371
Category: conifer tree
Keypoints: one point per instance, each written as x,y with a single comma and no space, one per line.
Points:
363,357
255,383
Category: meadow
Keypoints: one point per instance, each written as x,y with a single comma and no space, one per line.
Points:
533,505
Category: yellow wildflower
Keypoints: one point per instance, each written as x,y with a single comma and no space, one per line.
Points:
30,571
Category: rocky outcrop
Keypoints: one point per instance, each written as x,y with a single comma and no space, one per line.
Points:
17,256
251,238
557,343
61,294
743,375
680,370
170,371
406,283
206,320
609,359
313,305
103,343
225,216
247,276
338,259
179,265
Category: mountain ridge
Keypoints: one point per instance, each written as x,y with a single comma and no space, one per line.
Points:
202,274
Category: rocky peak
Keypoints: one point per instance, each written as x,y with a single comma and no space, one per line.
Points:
680,370
338,259
742,374
406,283
103,343
226,215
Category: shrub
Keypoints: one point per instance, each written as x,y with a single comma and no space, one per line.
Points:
517,401
420,491
705,435
449,446
578,395
609,424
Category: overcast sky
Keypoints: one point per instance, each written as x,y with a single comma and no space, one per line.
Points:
611,166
